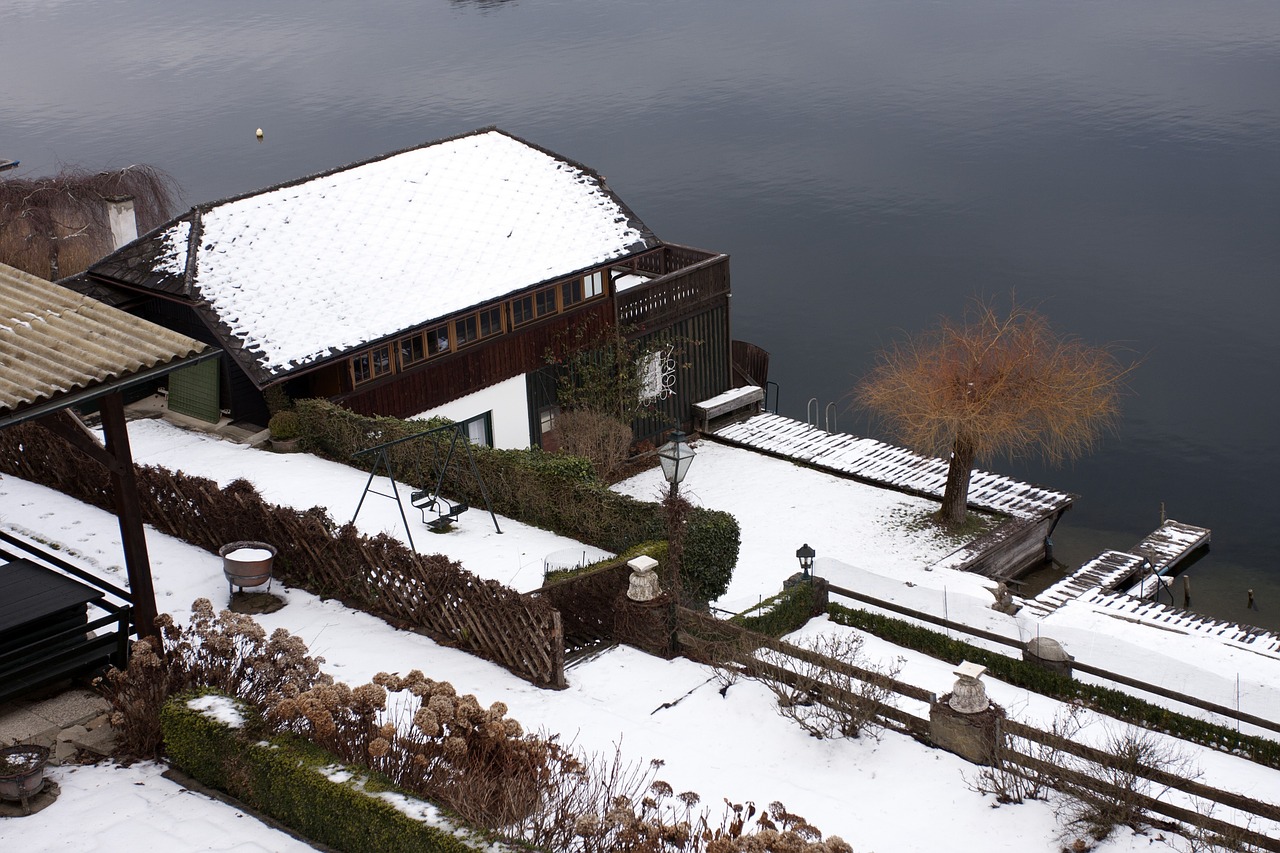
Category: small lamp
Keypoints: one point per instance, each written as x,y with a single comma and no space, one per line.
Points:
676,456
805,555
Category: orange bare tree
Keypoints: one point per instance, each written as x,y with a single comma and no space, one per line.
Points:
995,383
57,225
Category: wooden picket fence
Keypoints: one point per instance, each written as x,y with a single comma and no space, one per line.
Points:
430,594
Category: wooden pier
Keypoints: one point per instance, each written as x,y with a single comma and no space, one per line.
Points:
1163,550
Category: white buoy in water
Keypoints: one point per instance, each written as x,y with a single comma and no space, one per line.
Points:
259,134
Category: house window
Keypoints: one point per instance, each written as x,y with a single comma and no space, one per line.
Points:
545,301
437,340
369,365
522,310
479,429
482,324
571,292
657,375
465,330
547,418
412,350
593,284
548,438
490,322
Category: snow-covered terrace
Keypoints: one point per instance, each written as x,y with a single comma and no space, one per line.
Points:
721,746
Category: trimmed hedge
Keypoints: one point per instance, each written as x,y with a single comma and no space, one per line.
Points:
553,491
285,779
783,613
1029,676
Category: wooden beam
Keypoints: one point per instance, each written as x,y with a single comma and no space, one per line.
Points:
64,424
124,489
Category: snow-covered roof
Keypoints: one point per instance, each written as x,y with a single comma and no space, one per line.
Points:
323,265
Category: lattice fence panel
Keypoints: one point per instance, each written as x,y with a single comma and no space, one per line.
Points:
430,594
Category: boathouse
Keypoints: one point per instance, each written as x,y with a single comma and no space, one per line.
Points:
432,280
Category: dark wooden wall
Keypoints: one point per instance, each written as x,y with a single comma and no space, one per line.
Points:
239,394
477,366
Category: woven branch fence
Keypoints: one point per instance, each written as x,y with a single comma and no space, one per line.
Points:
711,640
430,594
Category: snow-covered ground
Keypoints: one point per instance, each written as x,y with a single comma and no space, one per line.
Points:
891,795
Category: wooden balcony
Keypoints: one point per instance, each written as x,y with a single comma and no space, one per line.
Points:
685,282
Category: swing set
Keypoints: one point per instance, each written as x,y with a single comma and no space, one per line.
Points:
428,500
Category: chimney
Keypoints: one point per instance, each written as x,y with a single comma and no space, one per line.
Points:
124,224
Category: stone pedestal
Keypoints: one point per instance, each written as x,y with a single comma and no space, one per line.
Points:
1049,654
974,737
647,625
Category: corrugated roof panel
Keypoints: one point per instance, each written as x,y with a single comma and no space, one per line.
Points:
56,341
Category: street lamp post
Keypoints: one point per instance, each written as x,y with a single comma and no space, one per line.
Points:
676,456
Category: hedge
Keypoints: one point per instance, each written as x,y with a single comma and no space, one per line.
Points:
553,491
285,778
1032,677
783,613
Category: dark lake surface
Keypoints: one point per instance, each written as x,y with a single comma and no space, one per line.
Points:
869,166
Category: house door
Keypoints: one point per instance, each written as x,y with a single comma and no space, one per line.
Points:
194,391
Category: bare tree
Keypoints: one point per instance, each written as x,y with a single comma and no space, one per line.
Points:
57,225
994,383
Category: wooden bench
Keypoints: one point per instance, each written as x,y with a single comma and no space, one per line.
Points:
736,403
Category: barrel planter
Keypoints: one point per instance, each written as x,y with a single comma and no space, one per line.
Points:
22,771
247,564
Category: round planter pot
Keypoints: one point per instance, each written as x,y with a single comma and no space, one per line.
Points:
22,771
247,564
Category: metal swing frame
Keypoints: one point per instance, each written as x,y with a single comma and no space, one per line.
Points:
429,499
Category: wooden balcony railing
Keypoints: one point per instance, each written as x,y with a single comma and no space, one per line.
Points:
690,279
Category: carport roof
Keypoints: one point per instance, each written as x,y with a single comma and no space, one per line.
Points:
59,348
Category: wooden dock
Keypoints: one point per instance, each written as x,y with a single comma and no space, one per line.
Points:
1166,548
1171,544
886,465
1146,612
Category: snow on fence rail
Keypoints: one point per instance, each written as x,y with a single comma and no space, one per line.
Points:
427,593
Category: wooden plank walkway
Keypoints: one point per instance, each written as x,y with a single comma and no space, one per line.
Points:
1162,550
1107,571
886,465
1171,618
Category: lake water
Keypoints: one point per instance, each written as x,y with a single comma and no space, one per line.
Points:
868,165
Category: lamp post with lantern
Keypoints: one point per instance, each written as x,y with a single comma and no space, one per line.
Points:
675,456
805,555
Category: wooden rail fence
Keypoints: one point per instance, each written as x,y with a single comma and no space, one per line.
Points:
710,640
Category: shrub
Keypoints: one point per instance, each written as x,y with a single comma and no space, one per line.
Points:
828,702
285,425
229,651
603,440
783,613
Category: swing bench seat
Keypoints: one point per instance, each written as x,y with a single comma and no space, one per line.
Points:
446,513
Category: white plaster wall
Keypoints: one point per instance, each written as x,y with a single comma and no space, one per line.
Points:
509,403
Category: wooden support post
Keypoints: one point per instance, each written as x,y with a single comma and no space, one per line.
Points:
1186,592
124,492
